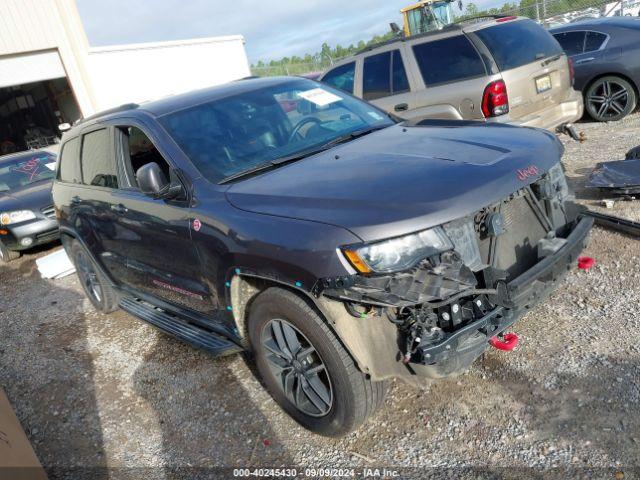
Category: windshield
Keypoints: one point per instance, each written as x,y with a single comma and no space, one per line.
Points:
230,135
22,170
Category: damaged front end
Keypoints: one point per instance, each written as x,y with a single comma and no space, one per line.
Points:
476,276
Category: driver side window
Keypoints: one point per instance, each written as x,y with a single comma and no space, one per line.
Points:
138,150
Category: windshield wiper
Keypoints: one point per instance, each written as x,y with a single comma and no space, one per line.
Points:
350,136
551,60
271,164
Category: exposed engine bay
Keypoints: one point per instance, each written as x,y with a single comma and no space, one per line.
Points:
506,257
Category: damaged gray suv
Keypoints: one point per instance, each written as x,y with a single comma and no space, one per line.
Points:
343,249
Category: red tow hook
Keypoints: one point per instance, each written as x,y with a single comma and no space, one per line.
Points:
508,342
585,263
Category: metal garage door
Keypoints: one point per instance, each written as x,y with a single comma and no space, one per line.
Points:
29,68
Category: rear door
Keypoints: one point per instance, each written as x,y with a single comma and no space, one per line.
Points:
451,77
585,48
385,81
531,62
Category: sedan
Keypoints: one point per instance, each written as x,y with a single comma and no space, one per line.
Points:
606,58
27,216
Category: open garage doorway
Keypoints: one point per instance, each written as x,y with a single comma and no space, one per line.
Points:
30,114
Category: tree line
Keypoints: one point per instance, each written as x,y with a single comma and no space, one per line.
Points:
327,55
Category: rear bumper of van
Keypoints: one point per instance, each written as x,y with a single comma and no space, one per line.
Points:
569,111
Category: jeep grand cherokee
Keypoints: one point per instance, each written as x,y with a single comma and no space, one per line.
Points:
300,223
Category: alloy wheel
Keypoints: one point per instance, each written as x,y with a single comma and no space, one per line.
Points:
298,368
89,277
608,99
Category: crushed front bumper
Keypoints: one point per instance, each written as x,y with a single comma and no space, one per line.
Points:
459,349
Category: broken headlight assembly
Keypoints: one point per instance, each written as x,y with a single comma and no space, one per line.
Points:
398,253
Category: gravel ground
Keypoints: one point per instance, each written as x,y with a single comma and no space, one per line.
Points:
110,397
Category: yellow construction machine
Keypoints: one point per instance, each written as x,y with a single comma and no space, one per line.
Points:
427,15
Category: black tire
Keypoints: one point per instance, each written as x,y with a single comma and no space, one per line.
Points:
353,396
610,98
97,288
7,255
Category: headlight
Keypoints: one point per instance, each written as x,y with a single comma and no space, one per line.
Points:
398,253
7,218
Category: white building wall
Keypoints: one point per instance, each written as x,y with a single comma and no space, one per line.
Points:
109,76
36,25
148,71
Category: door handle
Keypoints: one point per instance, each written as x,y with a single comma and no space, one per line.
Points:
119,208
401,107
584,60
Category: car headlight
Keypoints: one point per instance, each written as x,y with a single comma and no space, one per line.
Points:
398,253
7,218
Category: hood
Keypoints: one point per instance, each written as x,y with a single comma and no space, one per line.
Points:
403,178
31,197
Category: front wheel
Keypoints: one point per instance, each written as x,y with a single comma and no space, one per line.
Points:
610,98
305,367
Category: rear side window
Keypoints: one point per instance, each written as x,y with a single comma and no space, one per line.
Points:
594,41
377,76
69,162
341,77
448,60
384,75
518,43
571,42
98,168
399,81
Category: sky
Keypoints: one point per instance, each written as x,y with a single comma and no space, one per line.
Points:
272,29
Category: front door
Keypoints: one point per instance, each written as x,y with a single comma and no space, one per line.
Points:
151,237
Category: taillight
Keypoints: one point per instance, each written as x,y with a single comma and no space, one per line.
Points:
495,100
572,72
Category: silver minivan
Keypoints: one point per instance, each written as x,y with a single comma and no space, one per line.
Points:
506,69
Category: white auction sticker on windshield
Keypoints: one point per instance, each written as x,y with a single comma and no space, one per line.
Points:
51,166
319,96
375,115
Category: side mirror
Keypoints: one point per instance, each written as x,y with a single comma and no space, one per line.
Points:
153,182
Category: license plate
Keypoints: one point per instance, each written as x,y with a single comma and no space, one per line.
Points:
543,83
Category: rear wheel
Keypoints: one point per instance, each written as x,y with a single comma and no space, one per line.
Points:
610,98
99,290
7,255
305,367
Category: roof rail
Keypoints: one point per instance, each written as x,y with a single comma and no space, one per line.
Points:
479,18
452,26
103,113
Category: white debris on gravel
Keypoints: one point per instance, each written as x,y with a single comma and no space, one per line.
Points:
108,390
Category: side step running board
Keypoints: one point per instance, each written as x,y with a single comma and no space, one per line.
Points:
196,336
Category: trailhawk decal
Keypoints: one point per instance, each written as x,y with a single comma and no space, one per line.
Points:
173,288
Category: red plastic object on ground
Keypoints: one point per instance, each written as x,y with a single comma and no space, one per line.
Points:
585,263
508,342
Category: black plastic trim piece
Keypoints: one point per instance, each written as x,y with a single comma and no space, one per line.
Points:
615,223
196,336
